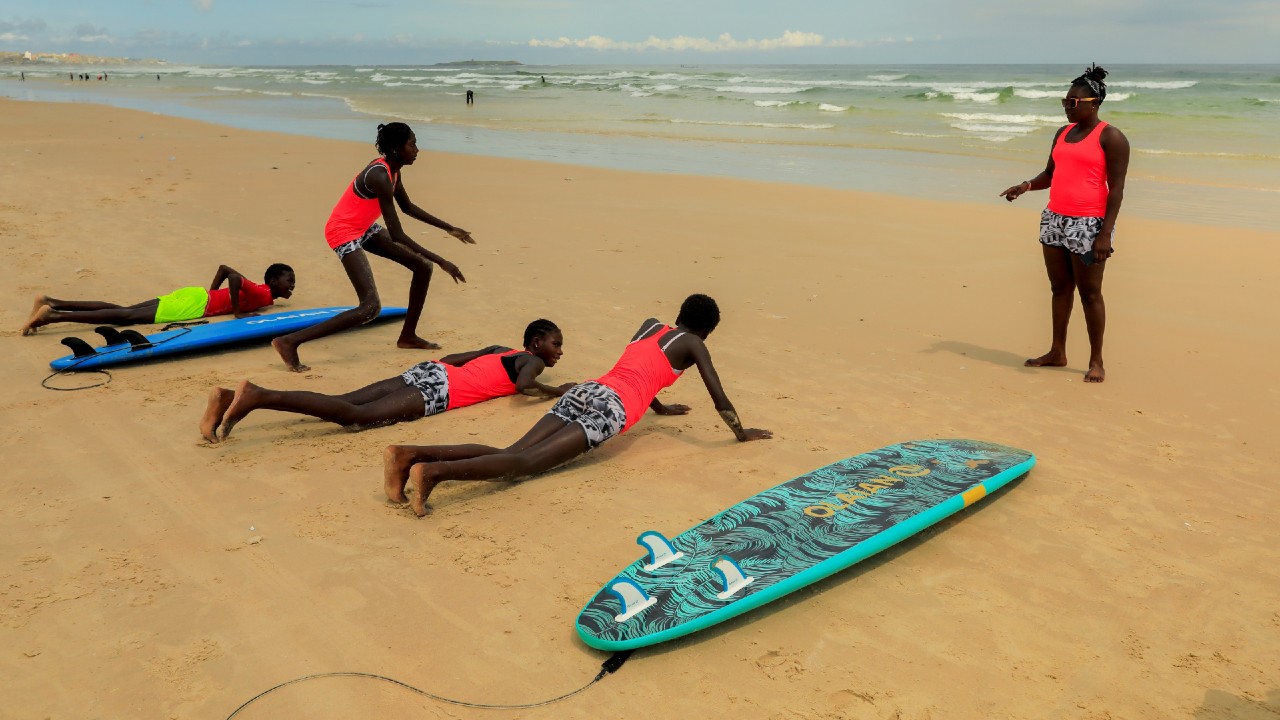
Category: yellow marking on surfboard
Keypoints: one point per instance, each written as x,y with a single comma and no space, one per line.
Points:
973,495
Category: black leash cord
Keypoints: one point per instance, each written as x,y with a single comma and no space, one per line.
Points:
45,382
611,665
78,361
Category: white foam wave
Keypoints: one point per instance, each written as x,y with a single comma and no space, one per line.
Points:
1001,118
1155,84
827,107
775,103
311,81
998,129
1036,94
729,123
762,90
885,78
1187,153
978,97
916,134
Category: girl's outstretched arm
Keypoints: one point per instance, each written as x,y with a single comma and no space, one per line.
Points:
417,213
702,358
528,369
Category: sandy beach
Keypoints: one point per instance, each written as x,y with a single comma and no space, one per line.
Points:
1132,574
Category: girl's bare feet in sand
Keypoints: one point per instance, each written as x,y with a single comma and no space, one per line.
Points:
219,401
396,461
413,342
423,478
241,405
39,316
289,354
40,301
1096,373
1049,359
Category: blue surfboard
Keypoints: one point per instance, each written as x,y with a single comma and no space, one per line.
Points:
790,536
131,347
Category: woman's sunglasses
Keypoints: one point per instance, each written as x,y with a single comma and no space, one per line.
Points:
1071,103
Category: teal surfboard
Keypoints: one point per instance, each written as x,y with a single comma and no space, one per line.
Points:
125,346
790,536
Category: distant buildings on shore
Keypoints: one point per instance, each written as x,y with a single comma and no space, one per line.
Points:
51,58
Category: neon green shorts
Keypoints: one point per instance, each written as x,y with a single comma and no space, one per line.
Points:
186,303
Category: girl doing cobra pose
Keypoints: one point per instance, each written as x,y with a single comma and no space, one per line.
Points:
427,388
584,417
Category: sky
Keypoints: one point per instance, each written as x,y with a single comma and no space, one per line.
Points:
554,32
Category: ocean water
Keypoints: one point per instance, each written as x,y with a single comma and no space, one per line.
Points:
1204,138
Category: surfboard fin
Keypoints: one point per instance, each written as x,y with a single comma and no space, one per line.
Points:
111,335
660,550
136,339
633,598
731,576
79,347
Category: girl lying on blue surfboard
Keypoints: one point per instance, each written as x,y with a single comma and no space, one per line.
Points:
586,416
425,389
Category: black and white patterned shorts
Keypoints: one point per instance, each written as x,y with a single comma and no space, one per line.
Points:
1073,233
433,382
351,246
597,408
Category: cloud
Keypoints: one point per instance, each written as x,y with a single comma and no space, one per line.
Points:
9,37
84,32
788,40
202,5
22,27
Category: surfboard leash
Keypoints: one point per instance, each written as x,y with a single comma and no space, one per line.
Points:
608,667
68,371
71,369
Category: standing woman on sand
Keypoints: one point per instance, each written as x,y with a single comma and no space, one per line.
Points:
351,230
1085,176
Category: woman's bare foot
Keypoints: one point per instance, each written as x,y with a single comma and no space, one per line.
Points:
396,461
289,354
219,401
241,405
423,478
41,316
1049,359
1096,373
413,342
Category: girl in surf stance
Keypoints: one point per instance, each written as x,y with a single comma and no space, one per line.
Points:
351,231
586,416
427,388
241,297
1085,176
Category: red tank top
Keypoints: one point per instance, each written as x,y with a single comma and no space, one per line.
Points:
641,372
1079,187
252,297
354,213
481,379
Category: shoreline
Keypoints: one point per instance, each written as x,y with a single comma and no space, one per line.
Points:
1130,574
948,175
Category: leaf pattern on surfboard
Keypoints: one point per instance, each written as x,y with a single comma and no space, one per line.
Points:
773,539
